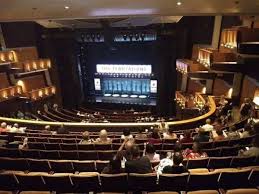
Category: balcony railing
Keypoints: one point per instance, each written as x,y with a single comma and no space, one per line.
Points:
34,65
205,57
180,99
41,93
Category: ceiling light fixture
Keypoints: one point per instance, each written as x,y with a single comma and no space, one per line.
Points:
179,3
66,7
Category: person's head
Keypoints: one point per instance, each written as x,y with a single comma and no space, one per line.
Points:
47,128
196,147
178,147
3,125
247,100
219,132
177,158
135,151
16,125
232,128
208,121
85,135
187,134
128,145
103,134
150,149
201,131
126,132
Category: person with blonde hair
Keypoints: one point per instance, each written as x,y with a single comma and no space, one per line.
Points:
103,137
85,138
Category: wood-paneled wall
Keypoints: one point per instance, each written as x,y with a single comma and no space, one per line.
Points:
249,87
4,82
194,86
220,87
33,82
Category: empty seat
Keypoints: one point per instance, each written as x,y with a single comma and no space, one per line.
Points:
219,162
214,152
232,179
86,147
38,165
206,145
254,177
84,166
31,181
30,153
243,191
242,161
8,181
87,155
168,146
68,146
39,139
116,146
36,145
60,166
114,182
10,152
69,141
103,146
59,182
197,163
55,140
85,182
142,182
100,165
229,151
173,182
68,155
106,155
49,154
52,146
14,164
207,181
220,143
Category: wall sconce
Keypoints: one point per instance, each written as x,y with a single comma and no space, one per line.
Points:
229,94
256,100
40,93
21,83
4,94
53,90
204,90
34,65
2,57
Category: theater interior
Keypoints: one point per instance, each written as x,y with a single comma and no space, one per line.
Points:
113,96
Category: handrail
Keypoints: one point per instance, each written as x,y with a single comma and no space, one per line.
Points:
212,110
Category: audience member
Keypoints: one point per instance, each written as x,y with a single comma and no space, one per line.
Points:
177,167
246,108
3,127
141,134
16,129
187,137
169,134
85,138
47,129
103,137
114,167
150,152
252,151
208,127
248,131
126,134
217,125
196,152
138,164
125,155
62,130
163,127
155,138
232,133
202,136
12,143
219,136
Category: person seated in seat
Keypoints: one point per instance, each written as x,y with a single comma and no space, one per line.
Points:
85,138
11,143
3,127
187,137
195,153
47,130
247,132
114,167
138,164
202,136
232,133
62,130
246,108
208,127
252,151
141,134
177,167
150,152
219,136
103,137
126,134
217,124
169,134
155,137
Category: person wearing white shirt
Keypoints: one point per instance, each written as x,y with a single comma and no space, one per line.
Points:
126,134
208,127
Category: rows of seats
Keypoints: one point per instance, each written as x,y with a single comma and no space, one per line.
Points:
73,164
92,181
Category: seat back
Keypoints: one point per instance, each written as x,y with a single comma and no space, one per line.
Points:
14,164
8,181
85,147
243,191
229,151
142,182
39,165
100,146
173,182
242,161
87,155
52,146
85,182
106,155
84,166
68,146
61,166
69,155
197,163
254,177
59,182
219,162
114,182
49,154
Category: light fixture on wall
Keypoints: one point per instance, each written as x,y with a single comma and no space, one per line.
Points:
256,100
204,90
179,3
66,7
229,94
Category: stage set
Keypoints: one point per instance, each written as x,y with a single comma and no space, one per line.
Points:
125,83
